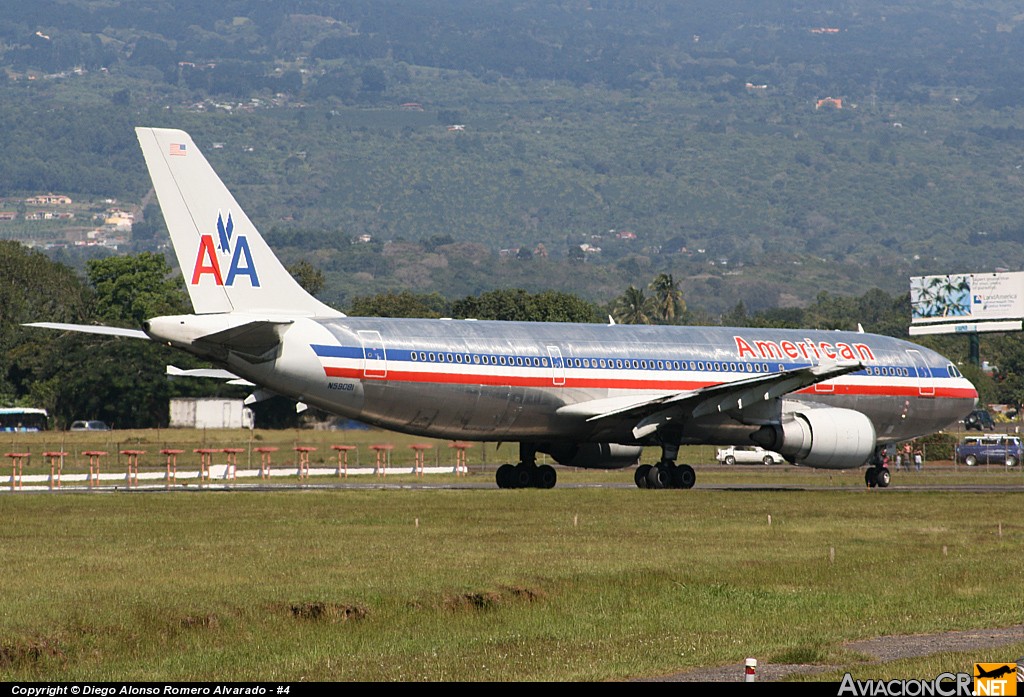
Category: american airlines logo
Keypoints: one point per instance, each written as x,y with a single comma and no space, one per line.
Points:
806,349
239,259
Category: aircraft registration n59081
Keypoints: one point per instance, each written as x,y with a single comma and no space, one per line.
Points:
587,395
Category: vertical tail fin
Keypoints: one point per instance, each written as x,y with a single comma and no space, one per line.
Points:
227,265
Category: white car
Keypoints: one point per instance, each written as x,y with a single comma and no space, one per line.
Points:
748,455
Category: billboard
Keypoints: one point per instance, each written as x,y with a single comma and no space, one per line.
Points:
967,297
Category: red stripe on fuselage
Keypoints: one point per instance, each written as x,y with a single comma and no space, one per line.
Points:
837,388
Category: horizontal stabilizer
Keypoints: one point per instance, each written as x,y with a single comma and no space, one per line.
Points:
91,329
216,373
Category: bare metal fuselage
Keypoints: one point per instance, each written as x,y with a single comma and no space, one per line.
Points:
511,381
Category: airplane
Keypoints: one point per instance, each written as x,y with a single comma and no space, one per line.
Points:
995,672
587,395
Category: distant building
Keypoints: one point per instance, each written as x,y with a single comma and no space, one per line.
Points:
210,412
833,102
48,200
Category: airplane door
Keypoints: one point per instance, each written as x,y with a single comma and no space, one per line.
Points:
557,366
925,387
375,359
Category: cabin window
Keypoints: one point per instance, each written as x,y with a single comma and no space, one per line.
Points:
501,359
414,357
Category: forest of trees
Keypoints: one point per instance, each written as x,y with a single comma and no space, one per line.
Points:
651,161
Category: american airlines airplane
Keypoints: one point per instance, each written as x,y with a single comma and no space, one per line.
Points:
587,395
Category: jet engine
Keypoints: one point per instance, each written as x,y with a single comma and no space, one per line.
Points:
606,456
824,437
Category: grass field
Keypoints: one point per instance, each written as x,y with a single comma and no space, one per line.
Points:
486,584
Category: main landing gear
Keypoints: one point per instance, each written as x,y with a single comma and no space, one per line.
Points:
527,474
877,474
666,474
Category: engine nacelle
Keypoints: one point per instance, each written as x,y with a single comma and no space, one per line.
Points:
825,437
605,456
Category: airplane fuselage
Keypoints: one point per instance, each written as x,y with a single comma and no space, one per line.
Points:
482,380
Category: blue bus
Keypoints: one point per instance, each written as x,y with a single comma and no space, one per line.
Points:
22,419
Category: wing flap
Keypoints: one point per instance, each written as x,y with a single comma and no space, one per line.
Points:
611,406
735,397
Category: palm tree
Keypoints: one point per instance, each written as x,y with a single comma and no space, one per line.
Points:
668,303
633,307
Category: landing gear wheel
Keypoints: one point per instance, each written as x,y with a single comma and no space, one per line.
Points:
882,477
522,476
504,475
640,476
545,477
683,477
660,477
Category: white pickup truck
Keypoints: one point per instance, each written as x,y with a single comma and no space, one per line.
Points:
748,455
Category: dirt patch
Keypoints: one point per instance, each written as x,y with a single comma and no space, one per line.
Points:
30,651
880,649
331,612
473,601
488,600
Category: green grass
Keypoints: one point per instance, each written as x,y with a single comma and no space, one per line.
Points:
568,584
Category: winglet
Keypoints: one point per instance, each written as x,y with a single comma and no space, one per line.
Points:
227,265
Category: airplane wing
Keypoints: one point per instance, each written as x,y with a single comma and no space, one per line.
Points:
652,411
90,329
